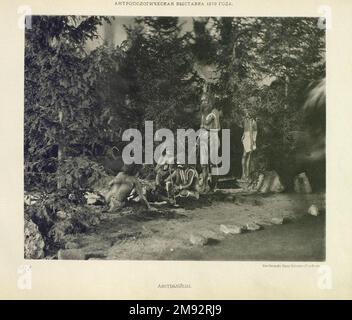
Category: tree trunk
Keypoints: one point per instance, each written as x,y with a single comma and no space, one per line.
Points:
60,154
287,79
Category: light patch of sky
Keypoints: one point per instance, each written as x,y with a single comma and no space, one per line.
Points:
115,32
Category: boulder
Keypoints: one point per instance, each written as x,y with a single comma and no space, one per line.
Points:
278,220
313,210
264,222
269,181
198,240
33,241
252,226
205,237
230,229
301,183
71,254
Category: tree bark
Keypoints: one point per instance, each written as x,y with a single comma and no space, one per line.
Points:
60,154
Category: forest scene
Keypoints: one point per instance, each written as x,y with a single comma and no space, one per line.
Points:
82,91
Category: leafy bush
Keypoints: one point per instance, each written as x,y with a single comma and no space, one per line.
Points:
80,173
58,215
67,109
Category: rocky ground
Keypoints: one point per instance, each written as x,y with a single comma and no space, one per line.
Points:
229,225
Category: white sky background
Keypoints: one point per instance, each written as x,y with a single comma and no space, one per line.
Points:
116,32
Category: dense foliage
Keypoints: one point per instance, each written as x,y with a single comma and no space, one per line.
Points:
65,107
78,101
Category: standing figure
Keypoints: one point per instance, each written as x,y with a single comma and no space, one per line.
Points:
249,138
210,121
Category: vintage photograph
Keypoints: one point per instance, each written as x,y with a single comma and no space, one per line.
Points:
174,138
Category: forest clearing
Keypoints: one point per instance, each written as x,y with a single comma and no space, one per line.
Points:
252,88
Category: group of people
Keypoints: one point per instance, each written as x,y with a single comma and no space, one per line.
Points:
173,180
182,180
177,180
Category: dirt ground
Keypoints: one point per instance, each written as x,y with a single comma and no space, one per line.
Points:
172,233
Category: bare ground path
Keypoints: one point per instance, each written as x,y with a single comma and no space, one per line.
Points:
135,234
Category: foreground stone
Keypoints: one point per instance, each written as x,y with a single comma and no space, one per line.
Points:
269,181
33,241
278,220
71,254
302,184
198,240
231,229
252,226
313,210
205,237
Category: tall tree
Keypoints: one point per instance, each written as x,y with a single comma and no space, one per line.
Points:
159,66
252,52
61,101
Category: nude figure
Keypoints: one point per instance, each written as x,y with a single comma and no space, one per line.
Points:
210,121
121,187
249,138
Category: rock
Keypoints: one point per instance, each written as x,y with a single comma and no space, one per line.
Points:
230,229
301,184
264,222
252,226
198,240
71,245
279,220
313,210
276,185
33,241
212,236
269,181
71,254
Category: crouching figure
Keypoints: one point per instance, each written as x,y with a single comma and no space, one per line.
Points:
122,186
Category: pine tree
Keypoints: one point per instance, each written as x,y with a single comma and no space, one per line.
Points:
159,65
62,105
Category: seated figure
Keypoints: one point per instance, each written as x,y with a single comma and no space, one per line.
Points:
122,186
183,182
